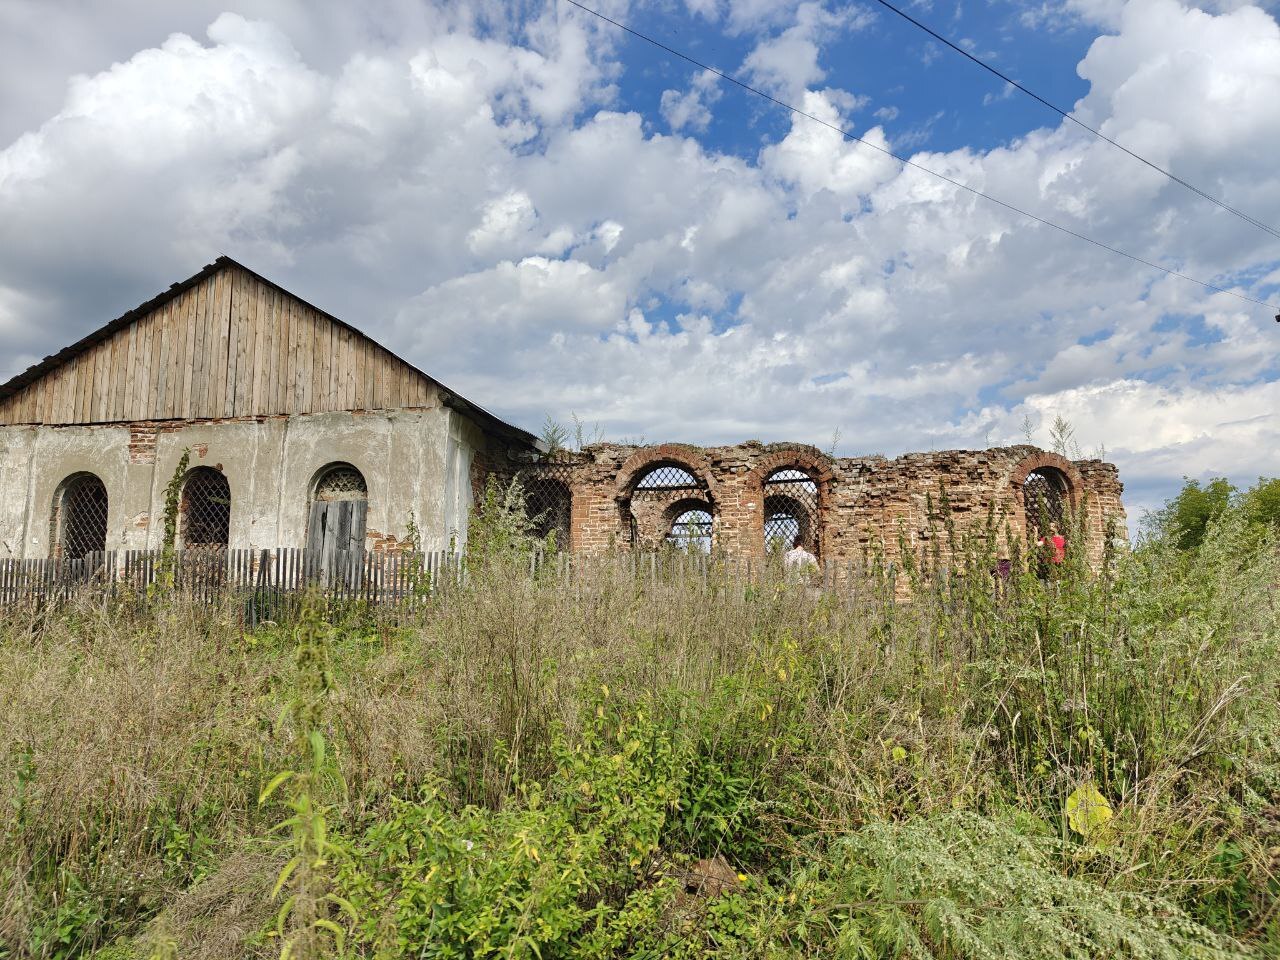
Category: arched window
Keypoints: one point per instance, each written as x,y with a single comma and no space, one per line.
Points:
1046,496
79,517
662,481
339,508
206,509
655,493
790,510
691,527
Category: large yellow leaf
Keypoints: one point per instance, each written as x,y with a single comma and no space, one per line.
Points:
1089,812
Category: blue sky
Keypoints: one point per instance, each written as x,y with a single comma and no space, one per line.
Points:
556,218
929,96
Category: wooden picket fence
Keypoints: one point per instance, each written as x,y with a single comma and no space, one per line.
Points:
269,582
263,577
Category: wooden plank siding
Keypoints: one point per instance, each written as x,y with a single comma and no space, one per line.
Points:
227,346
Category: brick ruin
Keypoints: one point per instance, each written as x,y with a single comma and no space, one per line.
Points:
752,498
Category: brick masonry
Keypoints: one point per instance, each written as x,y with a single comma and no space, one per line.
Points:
864,503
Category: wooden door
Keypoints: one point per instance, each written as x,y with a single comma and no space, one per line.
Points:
335,531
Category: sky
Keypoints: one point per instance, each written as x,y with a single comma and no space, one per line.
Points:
556,218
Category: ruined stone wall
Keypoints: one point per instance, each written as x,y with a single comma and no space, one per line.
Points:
863,504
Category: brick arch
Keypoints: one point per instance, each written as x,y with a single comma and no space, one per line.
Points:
1043,458
1037,461
673,454
819,470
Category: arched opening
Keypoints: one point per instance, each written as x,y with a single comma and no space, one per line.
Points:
648,511
665,479
790,511
548,503
79,522
205,509
1046,498
690,526
339,509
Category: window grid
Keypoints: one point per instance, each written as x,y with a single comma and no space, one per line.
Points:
790,510
206,509
1044,499
82,518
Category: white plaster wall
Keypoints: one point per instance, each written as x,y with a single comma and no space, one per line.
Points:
417,464
16,446
58,453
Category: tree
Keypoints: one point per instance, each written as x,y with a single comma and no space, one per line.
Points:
1262,502
1188,515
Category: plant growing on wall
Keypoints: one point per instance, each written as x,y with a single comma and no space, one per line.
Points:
172,506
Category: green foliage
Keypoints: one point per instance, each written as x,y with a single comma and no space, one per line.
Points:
553,436
172,505
1262,503
965,886
523,766
302,922
500,530
1187,516
556,872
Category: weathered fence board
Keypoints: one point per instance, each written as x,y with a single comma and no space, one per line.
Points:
271,580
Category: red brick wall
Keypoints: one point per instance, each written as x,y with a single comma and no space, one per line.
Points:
865,503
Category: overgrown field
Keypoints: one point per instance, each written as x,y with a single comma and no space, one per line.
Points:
1075,766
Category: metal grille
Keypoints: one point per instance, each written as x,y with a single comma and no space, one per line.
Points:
81,518
790,510
1044,498
206,509
691,531
548,501
341,482
660,482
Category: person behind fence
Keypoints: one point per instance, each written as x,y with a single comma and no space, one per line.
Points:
798,561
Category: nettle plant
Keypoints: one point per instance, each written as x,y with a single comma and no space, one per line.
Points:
304,920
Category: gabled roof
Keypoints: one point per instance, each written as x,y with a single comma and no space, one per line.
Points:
48,364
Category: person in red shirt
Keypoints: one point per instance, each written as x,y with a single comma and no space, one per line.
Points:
1059,543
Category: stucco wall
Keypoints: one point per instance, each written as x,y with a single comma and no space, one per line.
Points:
417,464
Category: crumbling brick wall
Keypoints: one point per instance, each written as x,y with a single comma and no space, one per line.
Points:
863,504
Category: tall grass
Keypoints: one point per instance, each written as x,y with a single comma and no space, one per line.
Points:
531,767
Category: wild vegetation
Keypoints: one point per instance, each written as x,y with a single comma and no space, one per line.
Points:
1066,763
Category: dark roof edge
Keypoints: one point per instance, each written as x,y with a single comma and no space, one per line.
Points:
451,398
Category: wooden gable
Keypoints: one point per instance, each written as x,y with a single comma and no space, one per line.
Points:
226,343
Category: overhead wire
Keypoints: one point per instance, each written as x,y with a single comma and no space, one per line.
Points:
917,166
1077,121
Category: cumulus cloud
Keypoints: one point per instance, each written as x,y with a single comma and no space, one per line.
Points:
786,64
475,197
691,108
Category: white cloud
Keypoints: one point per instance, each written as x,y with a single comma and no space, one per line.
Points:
787,64
814,158
692,108
464,194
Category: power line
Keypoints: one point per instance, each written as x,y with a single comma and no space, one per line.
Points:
911,163
1079,123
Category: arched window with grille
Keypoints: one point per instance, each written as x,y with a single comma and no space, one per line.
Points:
790,511
548,502
205,509
79,522
339,508
651,511
1046,498
691,526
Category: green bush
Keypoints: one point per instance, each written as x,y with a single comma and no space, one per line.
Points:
1067,763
